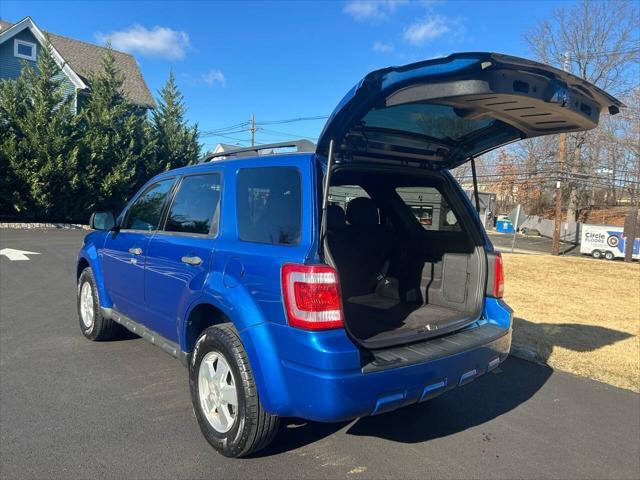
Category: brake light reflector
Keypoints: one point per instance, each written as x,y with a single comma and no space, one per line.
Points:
311,296
498,277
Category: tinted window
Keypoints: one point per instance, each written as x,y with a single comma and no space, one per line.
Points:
268,205
437,121
430,208
195,206
145,212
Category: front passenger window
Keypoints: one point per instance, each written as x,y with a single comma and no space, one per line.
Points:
145,212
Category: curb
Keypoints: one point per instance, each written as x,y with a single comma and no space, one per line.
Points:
527,354
521,251
46,225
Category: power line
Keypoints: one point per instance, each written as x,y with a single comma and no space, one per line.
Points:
293,120
604,53
552,175
284,134
230,138
267,122
230,132
226,129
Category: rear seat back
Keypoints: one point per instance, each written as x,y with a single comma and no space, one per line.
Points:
361,248
336,217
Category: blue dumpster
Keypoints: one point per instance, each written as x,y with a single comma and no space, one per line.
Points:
504,226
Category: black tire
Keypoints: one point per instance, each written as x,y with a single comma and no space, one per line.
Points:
609,255
596,254
102,328
253,428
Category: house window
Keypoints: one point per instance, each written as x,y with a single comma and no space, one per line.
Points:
26,50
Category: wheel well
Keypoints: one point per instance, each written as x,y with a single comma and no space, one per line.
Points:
201,318
82,264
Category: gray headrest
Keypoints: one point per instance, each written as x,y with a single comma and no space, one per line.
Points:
362,212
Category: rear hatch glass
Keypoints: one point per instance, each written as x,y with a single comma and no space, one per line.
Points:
445,111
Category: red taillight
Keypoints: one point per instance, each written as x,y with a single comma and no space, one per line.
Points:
311,296
498,277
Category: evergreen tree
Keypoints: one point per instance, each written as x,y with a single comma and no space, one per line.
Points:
56,164
11,107
116,142
176,144
38,152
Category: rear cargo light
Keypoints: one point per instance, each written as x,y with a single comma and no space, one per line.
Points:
498,276
311,296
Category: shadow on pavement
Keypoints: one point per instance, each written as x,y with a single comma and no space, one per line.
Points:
492,395
123,335
572,336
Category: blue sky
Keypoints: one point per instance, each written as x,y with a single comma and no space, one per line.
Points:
281,60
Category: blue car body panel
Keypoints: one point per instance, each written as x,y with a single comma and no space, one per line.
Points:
314,375
318,375
171,286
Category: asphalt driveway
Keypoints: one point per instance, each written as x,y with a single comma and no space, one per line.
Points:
70,408
532,243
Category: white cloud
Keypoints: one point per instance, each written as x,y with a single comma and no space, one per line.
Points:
427,29
159,42
363,10
214,76
382,47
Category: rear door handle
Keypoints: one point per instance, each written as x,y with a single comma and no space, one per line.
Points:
192,260
135,251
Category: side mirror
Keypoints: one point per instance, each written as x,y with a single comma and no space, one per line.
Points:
102,221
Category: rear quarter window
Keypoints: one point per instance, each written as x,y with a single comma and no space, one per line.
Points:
268,203
430,208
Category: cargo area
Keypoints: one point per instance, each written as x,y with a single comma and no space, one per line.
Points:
408,264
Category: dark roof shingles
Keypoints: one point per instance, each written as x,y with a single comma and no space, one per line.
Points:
85,58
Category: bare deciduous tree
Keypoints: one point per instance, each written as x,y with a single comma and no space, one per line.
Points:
600,39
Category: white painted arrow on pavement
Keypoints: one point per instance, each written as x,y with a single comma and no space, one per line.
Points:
14,255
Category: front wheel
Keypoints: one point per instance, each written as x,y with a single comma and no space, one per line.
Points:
596,254
225,397
609,255
94,325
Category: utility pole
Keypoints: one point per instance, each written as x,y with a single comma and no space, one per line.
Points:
253,129
555,246
516,222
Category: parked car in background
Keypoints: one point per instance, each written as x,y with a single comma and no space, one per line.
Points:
281,304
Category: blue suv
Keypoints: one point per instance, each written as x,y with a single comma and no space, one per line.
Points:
346,280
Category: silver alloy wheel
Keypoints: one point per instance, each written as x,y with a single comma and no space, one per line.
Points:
217,391
86,304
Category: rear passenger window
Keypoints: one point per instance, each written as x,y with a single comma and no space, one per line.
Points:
145,212
269,205
195,208
430,208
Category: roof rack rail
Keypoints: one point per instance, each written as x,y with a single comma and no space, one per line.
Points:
301,145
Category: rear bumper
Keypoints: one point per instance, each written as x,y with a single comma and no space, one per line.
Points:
320,376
